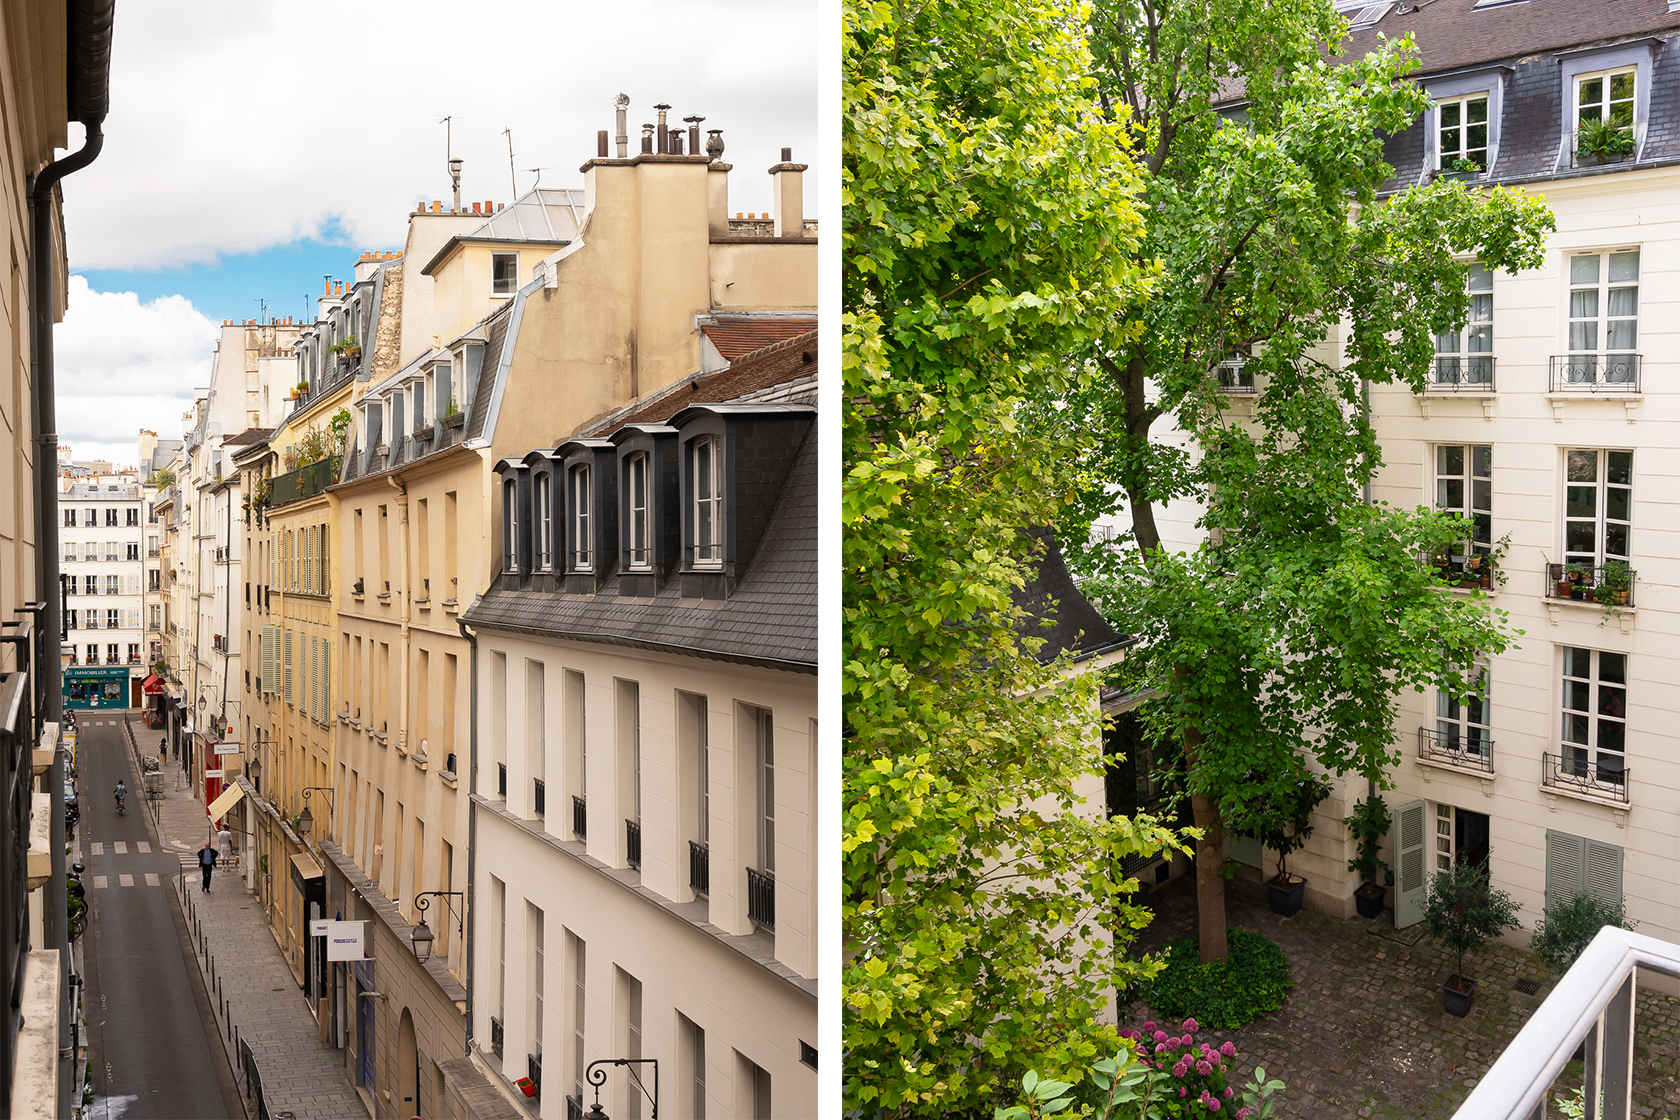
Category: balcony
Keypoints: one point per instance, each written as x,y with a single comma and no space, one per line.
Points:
533,1070
633,843
1472,373
1234,378
699,867
496,1035
1593,1005
1468,753
580,818
539,796
1608,585
761,899
305,482
1574,776
1595,373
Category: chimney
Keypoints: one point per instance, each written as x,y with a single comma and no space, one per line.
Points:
455,179
647,139
437,206
714,144
674,138
787,196
338,288
693,134
328,292
664,138
601,144
620,104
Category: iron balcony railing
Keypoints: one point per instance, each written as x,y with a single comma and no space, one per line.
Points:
21,708
633,843
1472,752
496,1035
1233,377
1609,585
501,780
1593,1006
580,818
1462,373
1595,373
1606,780
761,898
574,1108
700,867
533,1070
539,796
305,482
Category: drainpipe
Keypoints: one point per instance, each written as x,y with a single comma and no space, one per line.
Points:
472,817
42,300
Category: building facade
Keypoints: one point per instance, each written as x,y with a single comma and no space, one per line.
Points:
100,543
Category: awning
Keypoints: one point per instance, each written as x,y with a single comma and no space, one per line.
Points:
228,799
305,867
152,686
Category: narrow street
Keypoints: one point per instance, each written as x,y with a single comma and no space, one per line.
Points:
152,1040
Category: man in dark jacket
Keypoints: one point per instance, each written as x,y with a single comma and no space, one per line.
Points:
207,862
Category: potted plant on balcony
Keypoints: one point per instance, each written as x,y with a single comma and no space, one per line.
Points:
1600,141
1579,577
1465,913
1467,170
1368,825
1612,589
1282,819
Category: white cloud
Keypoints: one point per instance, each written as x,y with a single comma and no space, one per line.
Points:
236,127
121,365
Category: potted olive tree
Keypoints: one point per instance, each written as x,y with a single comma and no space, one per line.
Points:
1465,913
1283,821
1368,825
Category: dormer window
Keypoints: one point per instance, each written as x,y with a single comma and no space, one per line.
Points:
504,273
544,516
510,525
641,509
1463,133
1605,97
708,502
582,509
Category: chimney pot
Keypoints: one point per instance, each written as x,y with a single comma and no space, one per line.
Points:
787,155
601,144
647,139
338,288
437,206
714,143
674,138
476,208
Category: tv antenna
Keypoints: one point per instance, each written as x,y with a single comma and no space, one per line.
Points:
512,182
262,310
538,172
449,154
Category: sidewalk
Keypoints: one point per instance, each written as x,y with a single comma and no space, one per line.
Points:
256,997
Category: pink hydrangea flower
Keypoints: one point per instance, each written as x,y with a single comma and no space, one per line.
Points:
1149,1026
1190,1026
1229,1050
1227,1094
1213,1105
1181,1092
1160,1036
1204,1068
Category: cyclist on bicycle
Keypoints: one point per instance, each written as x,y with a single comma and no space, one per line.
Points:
121,792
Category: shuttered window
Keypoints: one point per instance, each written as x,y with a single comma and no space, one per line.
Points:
270,658
1575,864
286,669
326,680
1413,884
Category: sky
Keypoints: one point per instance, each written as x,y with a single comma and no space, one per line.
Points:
254,147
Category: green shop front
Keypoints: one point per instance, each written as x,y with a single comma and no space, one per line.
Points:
103,686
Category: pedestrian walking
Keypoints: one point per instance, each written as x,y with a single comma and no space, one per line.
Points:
207,861
224,841
163,750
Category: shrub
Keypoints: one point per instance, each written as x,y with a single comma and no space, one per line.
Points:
1464,911
1564,933
1224,995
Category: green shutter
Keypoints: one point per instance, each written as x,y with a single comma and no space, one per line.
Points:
1410,855
1604,872
1566,858
286,652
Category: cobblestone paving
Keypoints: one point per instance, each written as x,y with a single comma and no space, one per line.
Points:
258,998
1364,1034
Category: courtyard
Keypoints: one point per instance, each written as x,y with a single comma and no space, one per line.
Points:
1364,1035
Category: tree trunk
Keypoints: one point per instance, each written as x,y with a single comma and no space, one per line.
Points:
1210,858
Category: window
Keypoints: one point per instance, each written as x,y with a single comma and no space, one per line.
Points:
510,525
133,552
134,517
1603,303
1464,485
581,510
766,764
708,502
111,518
1463,131
90,585
1594,715
545,524
71,619
111,656
417,394
692,1038
69,519
640,526
577,951
134,653
93,654
1462,722
113,620
504,273
1598,506
534,923
90,518
1605,97
113,585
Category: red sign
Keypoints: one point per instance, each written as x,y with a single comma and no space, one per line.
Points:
212,790
152,686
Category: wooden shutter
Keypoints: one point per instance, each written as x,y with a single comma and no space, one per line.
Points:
265,669
286,669
1604,872
324,584
1413,882
1566,860
326,681
315,677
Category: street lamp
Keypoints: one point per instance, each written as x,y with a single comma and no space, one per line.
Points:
306,819
598,1077
422,935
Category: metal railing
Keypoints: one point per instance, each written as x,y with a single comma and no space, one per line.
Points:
539,796
699,867
20,712
1595,373
1462,374
1608,780
533,1070
633,843
761,898
1471,752
1234,378
580,818
496,1035
1609,585
501,780
305,482
1593,1004
574,1109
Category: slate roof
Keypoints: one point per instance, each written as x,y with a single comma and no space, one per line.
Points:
769,619
736,338
248,436
788,360
542,215
1075,626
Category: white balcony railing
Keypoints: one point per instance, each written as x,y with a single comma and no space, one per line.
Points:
1593,1004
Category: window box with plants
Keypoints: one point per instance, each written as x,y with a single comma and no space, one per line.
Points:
1601,141
452,416
1615,583
349,349
1368,825
1461,169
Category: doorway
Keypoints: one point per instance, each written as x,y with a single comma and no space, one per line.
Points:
1461,836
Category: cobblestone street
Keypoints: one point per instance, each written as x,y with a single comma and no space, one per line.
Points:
1364,1034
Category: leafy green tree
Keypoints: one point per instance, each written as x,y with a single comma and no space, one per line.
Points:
991,231
1279,648
1465,913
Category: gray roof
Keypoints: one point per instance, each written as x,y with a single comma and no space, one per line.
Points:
1060,613
541,215
769,619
